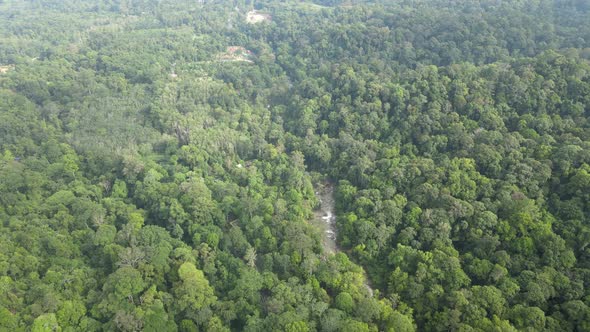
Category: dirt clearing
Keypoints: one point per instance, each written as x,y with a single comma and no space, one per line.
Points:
255,16
237,53
5,69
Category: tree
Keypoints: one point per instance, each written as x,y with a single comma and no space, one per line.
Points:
46,323
344,302
299,326
70,314
527,317
192,291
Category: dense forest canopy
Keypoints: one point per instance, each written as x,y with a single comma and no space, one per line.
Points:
160,163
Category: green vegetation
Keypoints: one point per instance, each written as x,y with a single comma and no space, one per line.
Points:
148,185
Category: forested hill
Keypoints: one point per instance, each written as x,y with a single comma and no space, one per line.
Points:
159,165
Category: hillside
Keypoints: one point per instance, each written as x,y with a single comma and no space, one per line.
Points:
163,165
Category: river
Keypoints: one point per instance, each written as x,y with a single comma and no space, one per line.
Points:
325,220
325,217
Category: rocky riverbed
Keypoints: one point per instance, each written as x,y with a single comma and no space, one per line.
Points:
325,217
325,220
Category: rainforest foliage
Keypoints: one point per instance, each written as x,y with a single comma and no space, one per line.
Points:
158,161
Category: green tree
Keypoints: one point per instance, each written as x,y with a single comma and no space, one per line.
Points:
192,291
46,323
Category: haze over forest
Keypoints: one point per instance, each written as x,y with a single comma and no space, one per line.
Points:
297,165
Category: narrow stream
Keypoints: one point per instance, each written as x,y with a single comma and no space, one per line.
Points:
325,220
325,217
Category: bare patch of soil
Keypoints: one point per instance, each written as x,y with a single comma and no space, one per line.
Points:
237,53
255,16
5,69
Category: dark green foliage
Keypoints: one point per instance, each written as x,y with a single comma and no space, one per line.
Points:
148,182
